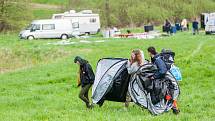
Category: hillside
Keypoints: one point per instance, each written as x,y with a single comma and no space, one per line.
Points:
55,2
138,12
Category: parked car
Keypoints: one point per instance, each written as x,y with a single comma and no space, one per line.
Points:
51,28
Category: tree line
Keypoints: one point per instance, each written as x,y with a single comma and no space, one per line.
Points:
15,14
138,12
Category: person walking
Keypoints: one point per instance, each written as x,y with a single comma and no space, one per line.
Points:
168,26
184,24
195,26
161,72
87,78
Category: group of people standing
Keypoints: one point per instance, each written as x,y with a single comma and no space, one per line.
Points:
137,59
182,26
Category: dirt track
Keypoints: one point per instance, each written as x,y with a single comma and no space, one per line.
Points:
45,6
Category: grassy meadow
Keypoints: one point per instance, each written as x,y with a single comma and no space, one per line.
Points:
38,80
51,1
44,13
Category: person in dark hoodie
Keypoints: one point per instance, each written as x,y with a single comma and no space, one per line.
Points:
195,26
87,77
167,26
161,72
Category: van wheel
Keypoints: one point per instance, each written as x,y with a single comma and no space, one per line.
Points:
207,32
87,33
99,30
30,37
64,36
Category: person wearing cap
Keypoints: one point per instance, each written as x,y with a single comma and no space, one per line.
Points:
87,78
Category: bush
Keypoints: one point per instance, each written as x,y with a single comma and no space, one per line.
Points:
14,14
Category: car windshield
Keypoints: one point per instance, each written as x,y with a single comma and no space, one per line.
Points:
33,26
29,26
211,22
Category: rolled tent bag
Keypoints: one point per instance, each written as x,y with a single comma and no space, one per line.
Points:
111,81
151,94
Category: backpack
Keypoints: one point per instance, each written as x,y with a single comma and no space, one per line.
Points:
168,56
175,71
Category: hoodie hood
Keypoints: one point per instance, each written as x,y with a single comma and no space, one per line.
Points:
80,60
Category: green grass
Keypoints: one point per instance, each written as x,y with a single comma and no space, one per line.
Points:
43,13
56,2
38,81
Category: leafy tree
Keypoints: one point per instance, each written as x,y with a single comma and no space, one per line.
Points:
14,14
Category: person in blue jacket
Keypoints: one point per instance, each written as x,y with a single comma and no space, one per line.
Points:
155,59
161,72
195,26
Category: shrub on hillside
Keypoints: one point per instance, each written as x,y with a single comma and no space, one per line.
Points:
14,14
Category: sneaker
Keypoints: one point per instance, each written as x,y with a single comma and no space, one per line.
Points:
175,111
89,106
101,103
92,105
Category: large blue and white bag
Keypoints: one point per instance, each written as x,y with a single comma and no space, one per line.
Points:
176,72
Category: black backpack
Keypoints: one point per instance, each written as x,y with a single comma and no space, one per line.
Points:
168,56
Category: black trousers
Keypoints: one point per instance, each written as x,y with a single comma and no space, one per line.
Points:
128,99
83,95
195,31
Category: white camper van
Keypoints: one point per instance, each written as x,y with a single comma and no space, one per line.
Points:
209,23
49,28
89,23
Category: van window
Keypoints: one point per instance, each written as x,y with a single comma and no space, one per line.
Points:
48,27
58,17
211,23
93,20
37,27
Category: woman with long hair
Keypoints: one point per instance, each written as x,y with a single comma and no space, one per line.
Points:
135,62
137,59
86,79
